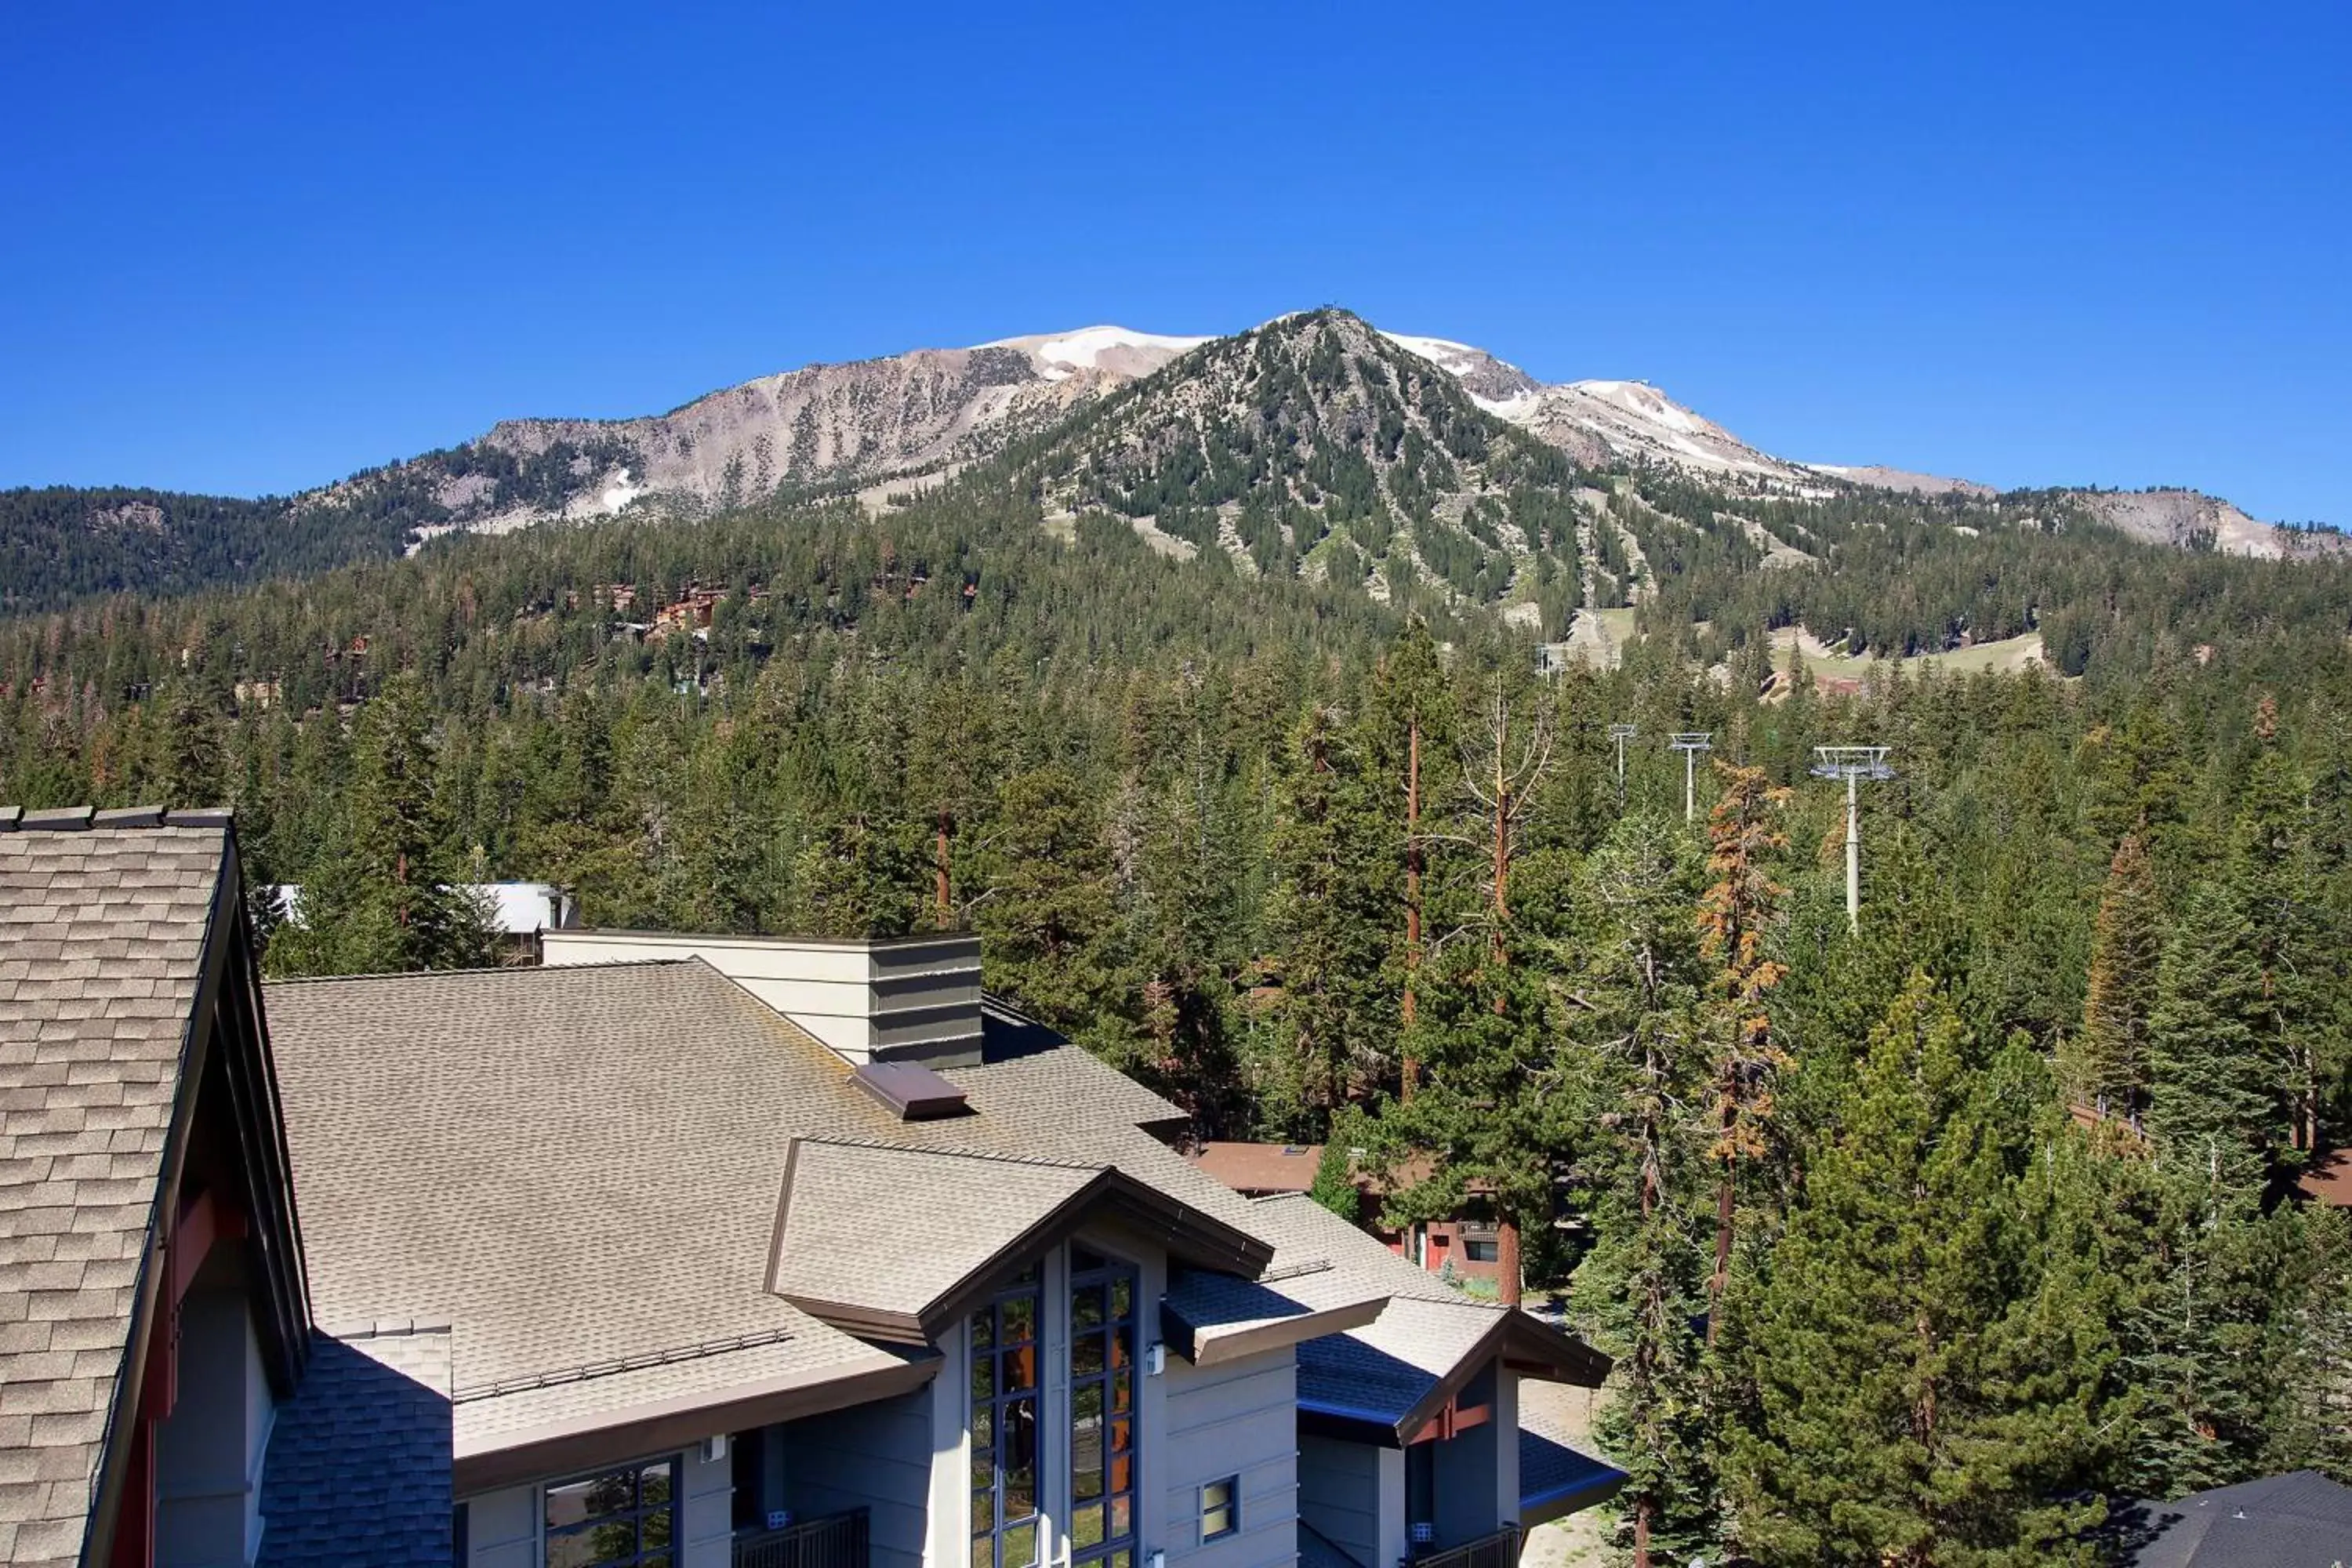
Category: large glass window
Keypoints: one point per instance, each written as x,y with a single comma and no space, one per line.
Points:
1102,1410
1005,1391
627,1516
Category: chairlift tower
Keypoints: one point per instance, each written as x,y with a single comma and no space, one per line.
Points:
1690,743
1853,764
1621,734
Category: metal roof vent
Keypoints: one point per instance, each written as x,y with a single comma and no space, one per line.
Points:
914,1092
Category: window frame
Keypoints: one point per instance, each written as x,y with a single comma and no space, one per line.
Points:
673,1462
1106,1272
1231,1508
1030,1286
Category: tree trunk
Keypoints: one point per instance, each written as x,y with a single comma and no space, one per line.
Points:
1506,1262
1723,1212
940,874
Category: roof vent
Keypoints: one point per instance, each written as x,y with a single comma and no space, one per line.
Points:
914,1092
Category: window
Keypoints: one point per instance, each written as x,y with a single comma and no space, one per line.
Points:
1005,1391
620,1517
1220,1509
1102,1411
1481,1251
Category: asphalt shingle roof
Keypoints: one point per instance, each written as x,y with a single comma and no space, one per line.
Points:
577,1168
358,1467
895,1228
102,938
2297,1520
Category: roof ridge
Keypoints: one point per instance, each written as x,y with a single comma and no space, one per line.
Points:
82,818
483,970
954,1152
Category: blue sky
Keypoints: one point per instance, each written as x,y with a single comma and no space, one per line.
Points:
254,247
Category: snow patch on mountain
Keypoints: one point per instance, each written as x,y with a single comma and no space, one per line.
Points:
1115,350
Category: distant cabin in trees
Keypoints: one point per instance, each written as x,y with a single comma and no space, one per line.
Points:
1464,1247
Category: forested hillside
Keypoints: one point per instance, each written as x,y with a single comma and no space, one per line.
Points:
2004,1179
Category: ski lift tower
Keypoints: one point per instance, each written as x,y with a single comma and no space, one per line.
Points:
1853,764
1690,743
1621,734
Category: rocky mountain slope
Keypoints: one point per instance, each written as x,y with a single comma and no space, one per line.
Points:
875,425
1315,446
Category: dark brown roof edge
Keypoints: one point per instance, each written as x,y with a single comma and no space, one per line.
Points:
82,818
560,1448
1272,1335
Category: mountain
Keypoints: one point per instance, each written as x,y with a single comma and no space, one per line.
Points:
874,426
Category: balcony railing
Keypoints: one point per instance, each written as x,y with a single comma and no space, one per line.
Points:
1500,1550
834,1541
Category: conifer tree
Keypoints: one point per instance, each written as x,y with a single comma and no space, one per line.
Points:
2210,1087
1048,928
382,898
1927,1386
1635,1015
2108,1060
187,767
1327,915
1735,915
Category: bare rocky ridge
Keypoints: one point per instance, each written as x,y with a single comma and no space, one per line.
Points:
860,425
2188,520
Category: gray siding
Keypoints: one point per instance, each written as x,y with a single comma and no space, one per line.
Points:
1339,1494
874,1456
1238,1420
209,1451
503,1527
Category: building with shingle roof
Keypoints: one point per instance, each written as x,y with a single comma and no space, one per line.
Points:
761,1251
155,1319
2299,1520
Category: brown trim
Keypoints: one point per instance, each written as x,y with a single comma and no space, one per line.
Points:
1542,1349
1272,1334
637,1431
204,1221
1188,1235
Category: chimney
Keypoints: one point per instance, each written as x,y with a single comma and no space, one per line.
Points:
899,999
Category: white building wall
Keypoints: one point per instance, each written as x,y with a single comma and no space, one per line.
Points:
1239,1419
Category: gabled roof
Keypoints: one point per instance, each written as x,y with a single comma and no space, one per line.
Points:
897,1244
1390,1377
123,961
438,1124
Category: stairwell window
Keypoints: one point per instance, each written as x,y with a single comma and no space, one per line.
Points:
1220,1509
1103,1293
618,1519
1006,1523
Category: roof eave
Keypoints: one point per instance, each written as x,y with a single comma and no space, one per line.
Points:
633,1431
1212,1347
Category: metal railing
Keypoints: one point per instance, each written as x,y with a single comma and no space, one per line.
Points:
834,1541
1500,1550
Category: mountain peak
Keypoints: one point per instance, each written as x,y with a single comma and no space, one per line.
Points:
1115,350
